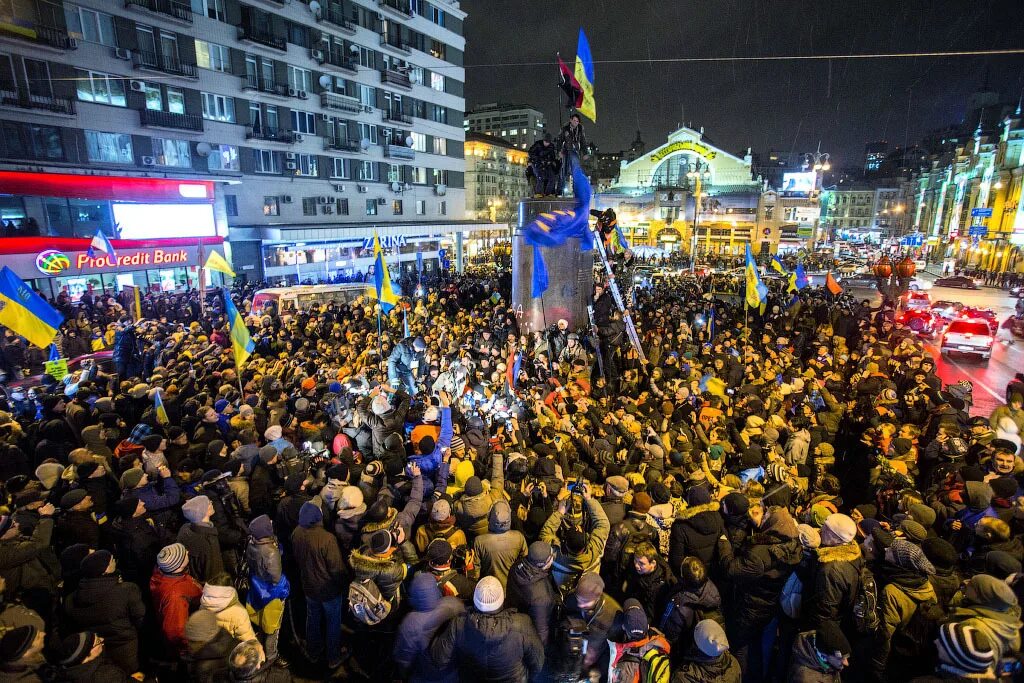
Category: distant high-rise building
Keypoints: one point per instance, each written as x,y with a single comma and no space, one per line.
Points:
517,124
874,155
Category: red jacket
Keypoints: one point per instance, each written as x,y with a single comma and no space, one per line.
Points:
174,596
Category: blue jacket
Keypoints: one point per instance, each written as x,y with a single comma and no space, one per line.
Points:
431,464
412,643
156,501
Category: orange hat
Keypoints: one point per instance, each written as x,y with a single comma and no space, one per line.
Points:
308,384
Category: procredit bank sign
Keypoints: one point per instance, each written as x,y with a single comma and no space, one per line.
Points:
52,262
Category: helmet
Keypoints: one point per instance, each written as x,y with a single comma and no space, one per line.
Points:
419,344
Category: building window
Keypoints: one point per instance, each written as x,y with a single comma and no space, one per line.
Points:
114,148
174,153
442,208
101,88
416,75
440,146
371,207
298,35
419,175
440,176
213,9
339,168
223,158
421,207
271,207
213,57
218,107
365,57
342,209
437,82
419,142
396,207
46,143
309,206
437,15
367,95
154,97
368,131
303,122
300,79
175,101
265,161
437,49
231,205
394,173
307,165
367,171
439,114
93,26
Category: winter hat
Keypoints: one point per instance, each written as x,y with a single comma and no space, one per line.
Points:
965,647
267,453
907,555
829,640
273,433
590,587
351,498
922,514
261,527
770,434
131,478
310,515
777,471
659,493
642,503
489,595
202,626
838,529
381,542
441,510
86,469
821,511
152,442
1002,487
736,503
754,422
338,472
618,485
634,619
539,553
710,638
913,531
95,565
939,552
698,495
75,648
439,552
988,591
195,509
172,558
1001,564
809,537
73,498
16,643
716,452
826,449
71,558
575,540
380,404
473,487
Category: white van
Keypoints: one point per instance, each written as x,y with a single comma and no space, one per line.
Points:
285,301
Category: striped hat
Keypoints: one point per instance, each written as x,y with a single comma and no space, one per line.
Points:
966,648
172,559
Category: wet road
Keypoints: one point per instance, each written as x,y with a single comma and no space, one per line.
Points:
989,379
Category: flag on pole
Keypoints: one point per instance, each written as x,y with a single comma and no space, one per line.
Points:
54,353
801,280
101,245
756,291
832,285
241,342
569,85
26,312
585,77
777,265
382,278
158,407
218,263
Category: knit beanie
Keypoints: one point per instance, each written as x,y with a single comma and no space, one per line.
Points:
634,619
965,647
381,542
810,538
261,527
172,558
267,453
907,555
338,472
439,553
736,503
988,591
131,478
575,540
272,433
539,553
351,498
642,503
829,640
940,552
838,529
710,638
152,442
489,595
16,643
441,510
201,626
590,587
473,487
659,493
821,511
1003,487
194,509
86,469
75,648
826,449
94,565
310,515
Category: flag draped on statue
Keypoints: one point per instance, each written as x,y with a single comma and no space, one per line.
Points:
382,278
26,312
218,263
585,77
756,291
241,342
553,229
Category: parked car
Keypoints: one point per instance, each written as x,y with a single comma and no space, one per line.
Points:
946,310
858,281
102,359
968,335
916,300
958,281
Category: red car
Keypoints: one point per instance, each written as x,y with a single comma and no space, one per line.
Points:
104,359
920,321
986,314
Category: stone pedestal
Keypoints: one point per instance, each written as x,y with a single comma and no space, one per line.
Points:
570,275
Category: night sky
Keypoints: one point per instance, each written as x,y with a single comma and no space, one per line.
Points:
764,105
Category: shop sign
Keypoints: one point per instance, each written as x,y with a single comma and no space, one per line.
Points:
684,146
52,262
386,242
155,257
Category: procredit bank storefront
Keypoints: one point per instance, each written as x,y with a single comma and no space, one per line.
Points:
161,229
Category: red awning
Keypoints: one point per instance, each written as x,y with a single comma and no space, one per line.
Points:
118,188
32,245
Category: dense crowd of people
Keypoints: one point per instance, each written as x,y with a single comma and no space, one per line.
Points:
778,494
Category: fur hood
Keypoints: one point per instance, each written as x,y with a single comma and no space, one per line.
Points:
363,561
687,513
847,552
218,598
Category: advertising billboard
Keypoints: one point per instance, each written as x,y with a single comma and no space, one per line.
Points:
798,182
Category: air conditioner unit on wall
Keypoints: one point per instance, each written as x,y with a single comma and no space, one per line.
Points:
361,189
323,199
291,166
138,86
381,201
122,53
328,208
286,199
289,155
149,161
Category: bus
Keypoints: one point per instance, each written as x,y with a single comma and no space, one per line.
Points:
285,301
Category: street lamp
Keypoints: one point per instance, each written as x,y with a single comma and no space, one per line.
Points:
697,173
893,281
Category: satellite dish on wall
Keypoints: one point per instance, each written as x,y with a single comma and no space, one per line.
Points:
353,48
409,141
204,149
324,81
364,144
314,7
396,187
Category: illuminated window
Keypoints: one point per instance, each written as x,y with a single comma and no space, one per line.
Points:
396,207
101,88
223,158
421,207
174,153
437,82
440,146
271,207
92,26
371,207
218,107
113,148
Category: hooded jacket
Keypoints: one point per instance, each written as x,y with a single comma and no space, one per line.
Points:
760,567
205,560
836,580
499,647
388,423
635,525
113,609
321,568
22,562
531,591
231,615
695,532
700,669
429,614
473,512
568,566
173,597
388,572
681,613
805,666
1002,628
499,549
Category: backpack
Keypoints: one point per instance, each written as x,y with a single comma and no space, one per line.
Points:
628,550
865,604
916,639
366,603
653,666
791,597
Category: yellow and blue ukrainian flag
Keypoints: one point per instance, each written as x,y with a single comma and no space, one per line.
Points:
26,312
158,407
585,76
756,291
241,342
382,278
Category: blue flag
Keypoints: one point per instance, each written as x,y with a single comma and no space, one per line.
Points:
54,353
557,227
801,276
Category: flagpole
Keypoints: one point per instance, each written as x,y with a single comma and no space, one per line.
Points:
202,283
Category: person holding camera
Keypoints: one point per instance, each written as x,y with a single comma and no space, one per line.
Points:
577,549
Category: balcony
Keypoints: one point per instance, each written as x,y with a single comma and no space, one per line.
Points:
46,36
397,7
334,16
155,61
395,44
340,61
165,119
336,102
398,78
262,36
22,99
269,134
181,11
264,85
399,152
395,116
342,145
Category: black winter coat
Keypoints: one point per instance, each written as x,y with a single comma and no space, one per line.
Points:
760,567
99,670
113,609
836,579
532,591
137,543
501,647
695,532
209,664
205,560
634,526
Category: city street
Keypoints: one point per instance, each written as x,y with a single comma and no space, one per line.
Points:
990,379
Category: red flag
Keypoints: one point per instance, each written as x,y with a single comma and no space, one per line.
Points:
832,285
569,85
510,376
